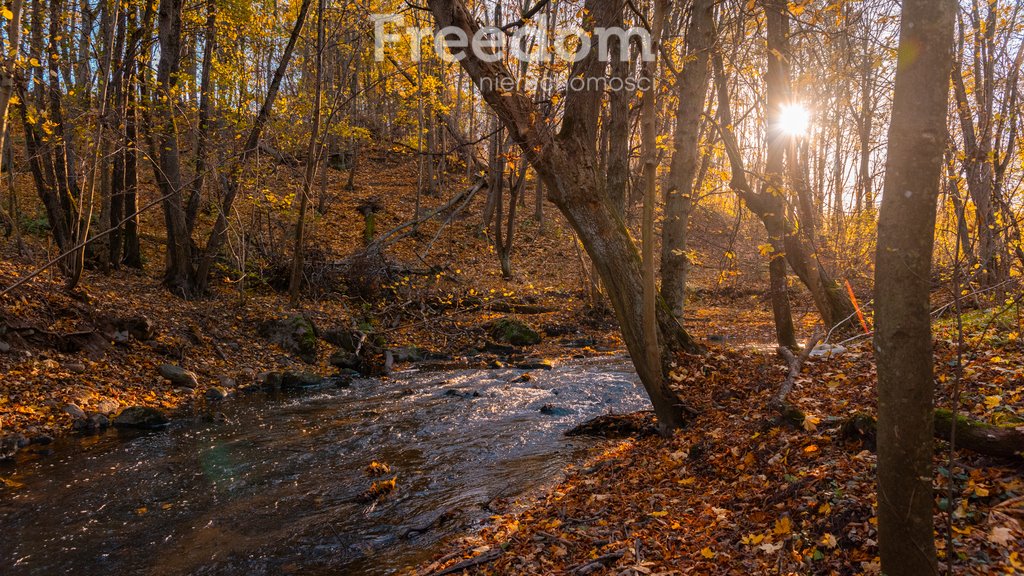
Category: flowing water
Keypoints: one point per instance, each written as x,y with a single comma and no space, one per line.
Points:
276,485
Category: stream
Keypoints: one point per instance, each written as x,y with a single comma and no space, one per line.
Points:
274,484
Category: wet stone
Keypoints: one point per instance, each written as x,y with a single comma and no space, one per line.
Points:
142,417
178,376
216,393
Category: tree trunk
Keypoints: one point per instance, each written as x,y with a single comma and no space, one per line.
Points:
618,125
767,207
903,339
567,163
312,158
10,49
649,160
179,274
231,182
203,129
691,94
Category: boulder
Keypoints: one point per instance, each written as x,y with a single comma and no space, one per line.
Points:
552,410
142,417
94,424
581,343
178,376
216,393
345,360
10,444
75,367
501,349
827,351
636,424
514,332
74,411
139,327
408,354
301,380
4,347
345,338
464,394
41,439
270,380
296,334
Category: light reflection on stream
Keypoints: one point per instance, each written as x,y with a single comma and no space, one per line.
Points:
276,488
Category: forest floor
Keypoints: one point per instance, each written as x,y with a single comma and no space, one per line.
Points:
738,492
734,493
439,290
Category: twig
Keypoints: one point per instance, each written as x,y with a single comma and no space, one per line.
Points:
596,563
484,558
380,240
795,364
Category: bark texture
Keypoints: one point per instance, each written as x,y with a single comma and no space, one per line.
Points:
903,341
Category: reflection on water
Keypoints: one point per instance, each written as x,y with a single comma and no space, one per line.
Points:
275,485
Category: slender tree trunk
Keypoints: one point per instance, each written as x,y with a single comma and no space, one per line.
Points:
903,339
312,158
773,214
231,181
179,274
692,92
649,155
10,49
618,125
203,129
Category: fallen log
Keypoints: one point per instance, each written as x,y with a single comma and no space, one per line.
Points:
614,426
1002,441
989,439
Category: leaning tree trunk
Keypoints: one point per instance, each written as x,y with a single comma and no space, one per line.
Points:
231,182
567,163
903,339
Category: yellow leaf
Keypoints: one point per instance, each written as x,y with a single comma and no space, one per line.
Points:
33,62
141,511
811,423
829,541
659,514
6,13
707,552
752,539
993,401
783,526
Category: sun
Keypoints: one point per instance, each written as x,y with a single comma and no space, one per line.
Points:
794,120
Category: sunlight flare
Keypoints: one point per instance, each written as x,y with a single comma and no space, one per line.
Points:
794,120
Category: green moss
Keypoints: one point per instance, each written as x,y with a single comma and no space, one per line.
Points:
999,318
514,332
